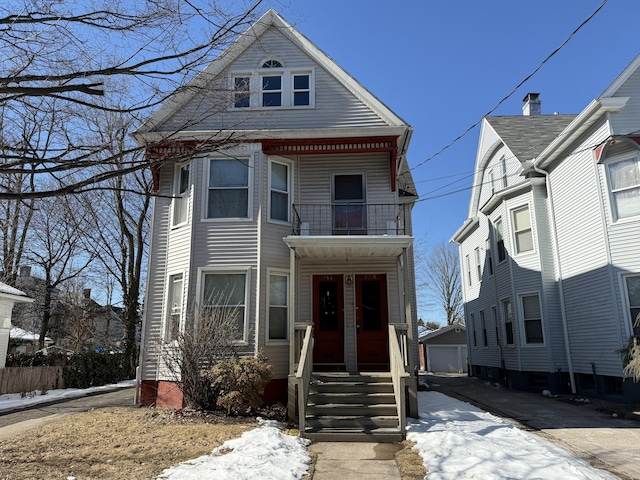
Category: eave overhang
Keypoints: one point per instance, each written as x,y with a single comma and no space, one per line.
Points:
348,247
469,225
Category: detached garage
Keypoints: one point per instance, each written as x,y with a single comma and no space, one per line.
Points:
444,350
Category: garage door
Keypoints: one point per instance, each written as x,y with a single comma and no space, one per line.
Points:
447,358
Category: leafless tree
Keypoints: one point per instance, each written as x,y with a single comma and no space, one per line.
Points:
55,247
119,224
80,53
443,281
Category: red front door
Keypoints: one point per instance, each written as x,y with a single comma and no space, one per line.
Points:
372,320
328,322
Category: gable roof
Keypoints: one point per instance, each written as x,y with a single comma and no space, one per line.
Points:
527,136
458,327
270,19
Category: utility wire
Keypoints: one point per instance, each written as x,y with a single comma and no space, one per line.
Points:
463,134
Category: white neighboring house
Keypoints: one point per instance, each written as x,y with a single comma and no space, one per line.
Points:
550,251
9,296
305,222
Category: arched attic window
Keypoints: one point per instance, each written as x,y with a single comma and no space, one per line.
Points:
271,83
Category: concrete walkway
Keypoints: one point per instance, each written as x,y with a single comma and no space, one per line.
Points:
355,461
589,430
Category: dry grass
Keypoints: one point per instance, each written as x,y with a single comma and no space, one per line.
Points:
113,443
410,462
135,443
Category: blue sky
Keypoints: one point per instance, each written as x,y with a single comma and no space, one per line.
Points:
443,65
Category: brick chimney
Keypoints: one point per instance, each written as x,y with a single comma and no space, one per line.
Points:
532,105
86,293
25,271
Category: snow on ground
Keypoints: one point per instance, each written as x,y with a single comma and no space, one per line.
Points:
455,439
14,401
265,453
459,441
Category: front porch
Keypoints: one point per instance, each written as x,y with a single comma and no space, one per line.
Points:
353,406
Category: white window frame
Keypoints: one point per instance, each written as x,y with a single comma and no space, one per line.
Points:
240,270
280,273
180,201
236,93
494,314
627,301
524,338
507,317
503,171
476,254
468,266
483,327
489,256
287,86
611,193
474,337
498,228
287,192
172,311
246,159
515,231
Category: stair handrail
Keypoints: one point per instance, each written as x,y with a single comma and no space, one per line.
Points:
303,376
399,362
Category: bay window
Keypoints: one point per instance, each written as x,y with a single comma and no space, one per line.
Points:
224,299
522,230
278,315
624,186
279,196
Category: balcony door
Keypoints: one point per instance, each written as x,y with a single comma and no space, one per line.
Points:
349,213
328,323
372,323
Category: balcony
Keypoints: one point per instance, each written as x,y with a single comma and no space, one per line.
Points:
349,230
349,219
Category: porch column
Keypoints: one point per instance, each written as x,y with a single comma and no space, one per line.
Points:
412,341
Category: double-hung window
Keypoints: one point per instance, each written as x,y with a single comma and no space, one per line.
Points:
532,316
473,330
478,264
174,307
228,190
224,301
507,315
280,185
483,325
632,284
624,186
502,251
503,171
522,229
181,194
278,306
301,89
241,91
468,267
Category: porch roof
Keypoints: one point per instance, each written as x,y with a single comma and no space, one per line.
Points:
354,246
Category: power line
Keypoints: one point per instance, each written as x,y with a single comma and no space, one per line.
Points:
463,134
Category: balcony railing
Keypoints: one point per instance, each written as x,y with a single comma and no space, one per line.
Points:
349,219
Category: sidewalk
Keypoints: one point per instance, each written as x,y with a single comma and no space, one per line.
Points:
589,430
355,461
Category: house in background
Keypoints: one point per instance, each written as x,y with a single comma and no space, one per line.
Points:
23,341
304,223
444,349
9,296
550,256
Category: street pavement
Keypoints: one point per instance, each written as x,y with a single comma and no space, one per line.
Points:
588,429
23,419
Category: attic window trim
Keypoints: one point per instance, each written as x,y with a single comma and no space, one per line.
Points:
271,62
287,94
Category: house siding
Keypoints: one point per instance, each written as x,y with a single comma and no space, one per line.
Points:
335,106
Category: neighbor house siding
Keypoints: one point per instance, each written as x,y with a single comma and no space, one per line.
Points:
627,121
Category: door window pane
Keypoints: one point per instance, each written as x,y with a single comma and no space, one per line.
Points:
371,312
328,314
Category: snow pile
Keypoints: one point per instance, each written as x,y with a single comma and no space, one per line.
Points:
265,453
458,441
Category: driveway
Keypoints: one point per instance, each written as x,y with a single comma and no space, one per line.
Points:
20,421
589,430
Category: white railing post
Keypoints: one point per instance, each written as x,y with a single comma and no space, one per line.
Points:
303,376
399,360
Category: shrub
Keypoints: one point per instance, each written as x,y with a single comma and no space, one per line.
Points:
240,382
631,358
92,369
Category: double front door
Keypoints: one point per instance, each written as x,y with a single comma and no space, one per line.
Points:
355,333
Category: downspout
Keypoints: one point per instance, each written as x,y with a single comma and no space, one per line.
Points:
556,253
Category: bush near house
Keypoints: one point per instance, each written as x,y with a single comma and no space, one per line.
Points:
239,383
